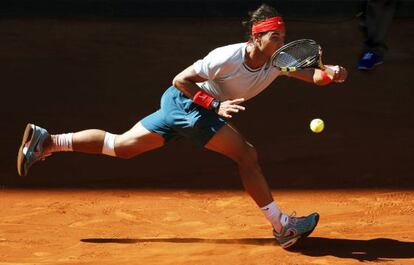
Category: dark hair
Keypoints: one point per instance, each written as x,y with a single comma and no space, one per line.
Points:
261,13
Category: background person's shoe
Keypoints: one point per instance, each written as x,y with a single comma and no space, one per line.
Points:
31,149
295,228
368,60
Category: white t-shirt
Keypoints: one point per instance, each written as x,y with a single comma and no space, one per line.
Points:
229,77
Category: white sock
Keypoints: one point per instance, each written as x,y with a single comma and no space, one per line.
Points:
273,214
108,147
61,143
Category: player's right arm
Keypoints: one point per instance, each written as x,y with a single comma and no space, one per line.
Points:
186,82
337,74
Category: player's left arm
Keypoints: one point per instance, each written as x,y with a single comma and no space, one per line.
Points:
332,73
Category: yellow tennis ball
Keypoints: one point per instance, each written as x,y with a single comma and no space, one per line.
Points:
317,125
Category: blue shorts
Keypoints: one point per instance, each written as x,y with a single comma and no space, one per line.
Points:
180,117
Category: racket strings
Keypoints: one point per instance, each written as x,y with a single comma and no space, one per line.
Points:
298,54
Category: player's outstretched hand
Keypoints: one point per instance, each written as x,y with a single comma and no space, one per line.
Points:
228,107
339,73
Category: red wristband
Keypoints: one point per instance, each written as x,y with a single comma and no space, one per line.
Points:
203,99
325,77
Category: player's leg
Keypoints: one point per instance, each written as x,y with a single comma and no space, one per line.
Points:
37,143
136,141
229,142
129,144
287,229
151,132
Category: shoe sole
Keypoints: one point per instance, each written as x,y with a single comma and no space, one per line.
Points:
290,242
293,241
27,137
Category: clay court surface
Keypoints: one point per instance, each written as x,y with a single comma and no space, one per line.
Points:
182,205
200,227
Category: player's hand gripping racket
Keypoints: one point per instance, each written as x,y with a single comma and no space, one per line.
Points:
306,53
298,55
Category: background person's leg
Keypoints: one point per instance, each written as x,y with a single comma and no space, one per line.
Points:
379,16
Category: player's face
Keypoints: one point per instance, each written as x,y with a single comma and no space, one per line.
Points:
271,41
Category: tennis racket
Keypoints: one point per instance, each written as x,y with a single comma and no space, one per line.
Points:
298,55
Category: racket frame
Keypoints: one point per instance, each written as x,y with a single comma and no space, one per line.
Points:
317,64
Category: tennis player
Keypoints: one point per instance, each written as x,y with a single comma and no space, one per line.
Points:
197,105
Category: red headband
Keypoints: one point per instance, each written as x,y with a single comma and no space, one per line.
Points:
269,24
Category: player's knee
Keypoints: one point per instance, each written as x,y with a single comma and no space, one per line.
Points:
248,157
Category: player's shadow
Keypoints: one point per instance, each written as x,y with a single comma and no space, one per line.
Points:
362,250
242,241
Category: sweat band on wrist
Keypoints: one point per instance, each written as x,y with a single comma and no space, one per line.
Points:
203,99
325,77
